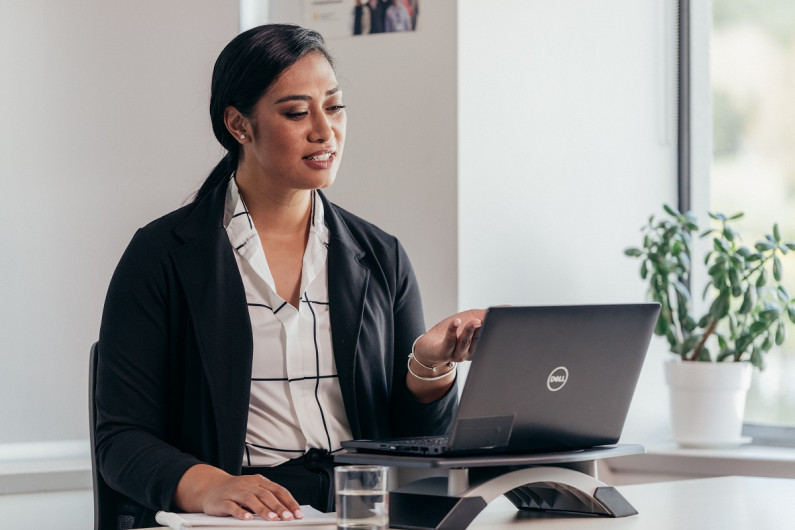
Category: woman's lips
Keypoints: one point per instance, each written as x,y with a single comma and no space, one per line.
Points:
320,159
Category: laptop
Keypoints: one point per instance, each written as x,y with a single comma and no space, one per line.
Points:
555,378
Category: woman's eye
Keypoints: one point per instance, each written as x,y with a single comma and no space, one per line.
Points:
335,108
296,115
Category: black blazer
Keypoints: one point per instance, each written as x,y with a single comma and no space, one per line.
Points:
175,349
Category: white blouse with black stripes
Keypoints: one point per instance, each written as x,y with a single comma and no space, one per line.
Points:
296,402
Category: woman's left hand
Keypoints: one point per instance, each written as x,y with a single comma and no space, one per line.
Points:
452,339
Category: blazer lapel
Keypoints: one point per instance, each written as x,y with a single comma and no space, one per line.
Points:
217,304
347,286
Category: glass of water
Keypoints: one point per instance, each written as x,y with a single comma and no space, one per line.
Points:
362,497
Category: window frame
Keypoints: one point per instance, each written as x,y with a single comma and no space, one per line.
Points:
694,149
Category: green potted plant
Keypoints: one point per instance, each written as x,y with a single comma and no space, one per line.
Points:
746,311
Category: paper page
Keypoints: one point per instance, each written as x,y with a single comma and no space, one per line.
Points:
182,521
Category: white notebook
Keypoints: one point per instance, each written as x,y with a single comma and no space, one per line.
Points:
186,521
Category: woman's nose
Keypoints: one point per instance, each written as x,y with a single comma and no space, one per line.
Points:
321,129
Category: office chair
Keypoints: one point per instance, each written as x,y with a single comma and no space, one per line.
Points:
107,502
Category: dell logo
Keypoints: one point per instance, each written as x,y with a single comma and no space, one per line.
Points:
557,378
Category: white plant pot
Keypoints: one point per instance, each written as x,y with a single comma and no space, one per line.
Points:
707,402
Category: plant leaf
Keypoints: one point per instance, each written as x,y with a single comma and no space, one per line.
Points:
782,294
748,302
758,326
716,268
781,333
777,268
734,281
762,279
742,342
757,360
766,344
769,313
681,288
720,307
662,326
718,217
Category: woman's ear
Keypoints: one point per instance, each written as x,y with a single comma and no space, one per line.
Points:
237,124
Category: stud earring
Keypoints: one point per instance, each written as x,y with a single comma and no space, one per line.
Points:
242,136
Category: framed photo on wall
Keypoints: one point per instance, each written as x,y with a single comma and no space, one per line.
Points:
337,18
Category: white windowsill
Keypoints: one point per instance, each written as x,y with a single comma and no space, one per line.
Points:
668,461
66,465
44,466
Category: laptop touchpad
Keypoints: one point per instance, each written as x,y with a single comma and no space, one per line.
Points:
483,433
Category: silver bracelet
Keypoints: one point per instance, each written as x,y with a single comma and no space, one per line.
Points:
412,355
434,378
449,364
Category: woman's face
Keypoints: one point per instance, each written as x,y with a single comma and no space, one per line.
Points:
297,128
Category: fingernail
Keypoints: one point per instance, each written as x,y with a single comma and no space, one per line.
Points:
299,514
247,516
272,515
287,515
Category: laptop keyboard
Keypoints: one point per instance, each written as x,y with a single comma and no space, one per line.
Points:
428,441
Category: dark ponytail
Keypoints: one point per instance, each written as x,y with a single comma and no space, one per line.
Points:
244,71
220,173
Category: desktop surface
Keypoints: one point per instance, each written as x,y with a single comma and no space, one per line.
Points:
719,503
725,503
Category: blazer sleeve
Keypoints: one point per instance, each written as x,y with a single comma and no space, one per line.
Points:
409,417
133,381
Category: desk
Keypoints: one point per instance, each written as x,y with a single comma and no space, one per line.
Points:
720,503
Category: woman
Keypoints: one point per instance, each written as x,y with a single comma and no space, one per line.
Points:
248,333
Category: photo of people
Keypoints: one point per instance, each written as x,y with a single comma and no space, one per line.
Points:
384,16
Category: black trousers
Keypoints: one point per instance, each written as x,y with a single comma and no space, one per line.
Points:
309,478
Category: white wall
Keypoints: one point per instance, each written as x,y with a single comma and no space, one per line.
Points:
105,127
566,145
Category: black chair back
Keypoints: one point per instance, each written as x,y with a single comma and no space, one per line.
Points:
104,512
112,510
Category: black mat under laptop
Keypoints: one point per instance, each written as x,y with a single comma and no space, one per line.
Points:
553,378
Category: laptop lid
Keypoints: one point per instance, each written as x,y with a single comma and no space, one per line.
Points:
552,378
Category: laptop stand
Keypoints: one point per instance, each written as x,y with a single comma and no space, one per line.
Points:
554,482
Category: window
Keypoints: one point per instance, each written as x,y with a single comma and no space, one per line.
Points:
753,163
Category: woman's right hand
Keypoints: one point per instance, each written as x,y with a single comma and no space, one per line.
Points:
207,489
